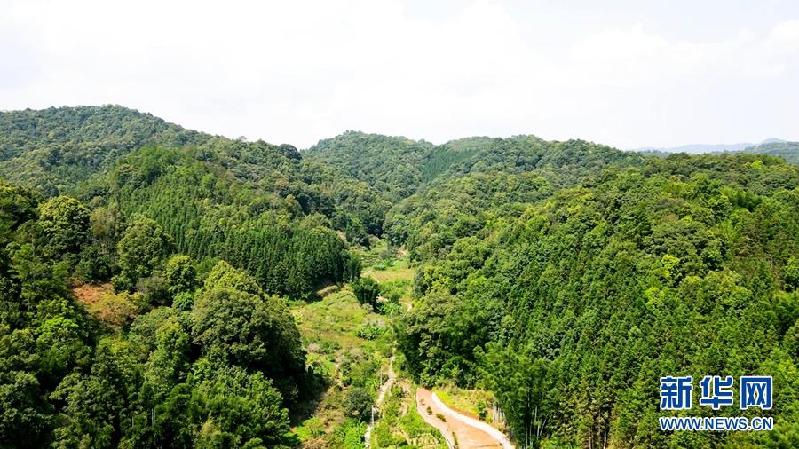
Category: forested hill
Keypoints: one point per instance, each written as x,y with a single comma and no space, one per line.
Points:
212,194
398,167
497,180
786,150
144,271
393,165
567,277
572,304
55,148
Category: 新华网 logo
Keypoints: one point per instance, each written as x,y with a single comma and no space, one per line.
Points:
716,392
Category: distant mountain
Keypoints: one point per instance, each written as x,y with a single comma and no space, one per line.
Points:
786,150
706,148
393,165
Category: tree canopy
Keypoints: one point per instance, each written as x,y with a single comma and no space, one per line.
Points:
146,272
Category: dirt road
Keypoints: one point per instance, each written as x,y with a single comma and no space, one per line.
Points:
461,432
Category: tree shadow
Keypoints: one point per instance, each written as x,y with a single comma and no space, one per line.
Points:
314,387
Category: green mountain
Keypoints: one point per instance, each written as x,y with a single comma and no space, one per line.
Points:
392,165
571,308
145,273
214,196
497,180
786,150
55,148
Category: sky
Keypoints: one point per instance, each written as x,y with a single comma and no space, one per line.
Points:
625,73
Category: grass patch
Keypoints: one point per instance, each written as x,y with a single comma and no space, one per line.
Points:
398,271
344,361
349,345
384,263
475,403
400,425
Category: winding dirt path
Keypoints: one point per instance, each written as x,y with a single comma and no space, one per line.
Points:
381,396
460,431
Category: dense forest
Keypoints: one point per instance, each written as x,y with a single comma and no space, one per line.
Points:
207,358
146,272
197,235
571,311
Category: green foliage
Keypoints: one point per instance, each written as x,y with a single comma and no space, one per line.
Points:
350,435
566,277
24,417
17,206
311,428
216,197
358,404
366,290
399,424
180,275
244,409
792,274
64,226
571,311
94,264
498,179
55,148
211,215
234,320
392,165
63,384
142,248
370,331
517,378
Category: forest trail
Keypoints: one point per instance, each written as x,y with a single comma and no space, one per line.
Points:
381,396
460,431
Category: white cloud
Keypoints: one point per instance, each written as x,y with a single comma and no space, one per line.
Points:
299,71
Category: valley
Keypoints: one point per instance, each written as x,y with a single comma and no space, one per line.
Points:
163,287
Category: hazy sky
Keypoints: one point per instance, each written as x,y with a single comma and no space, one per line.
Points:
626,73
